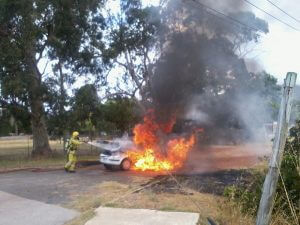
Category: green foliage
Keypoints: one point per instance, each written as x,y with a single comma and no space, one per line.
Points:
265,86
53,30
118,115
5,127
86,101
34,33
295,114
81,116
14,119
136,29
89,116
132,40
290,167
248,196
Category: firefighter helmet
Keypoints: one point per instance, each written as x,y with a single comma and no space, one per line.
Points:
75,134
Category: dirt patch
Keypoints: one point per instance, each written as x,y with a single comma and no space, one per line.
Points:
222,157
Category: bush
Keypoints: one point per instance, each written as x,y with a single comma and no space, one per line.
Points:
248,197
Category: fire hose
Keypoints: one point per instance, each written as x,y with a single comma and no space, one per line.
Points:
210,221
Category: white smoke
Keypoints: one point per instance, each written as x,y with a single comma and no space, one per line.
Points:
194,113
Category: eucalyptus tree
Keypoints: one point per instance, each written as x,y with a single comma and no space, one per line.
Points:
33,32
132,40
200,50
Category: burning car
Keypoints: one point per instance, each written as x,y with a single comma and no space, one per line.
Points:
156,148
113,153
152,148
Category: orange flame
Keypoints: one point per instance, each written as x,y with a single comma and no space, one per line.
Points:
155,155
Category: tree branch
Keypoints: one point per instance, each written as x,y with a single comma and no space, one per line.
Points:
121,64
44,70
41,52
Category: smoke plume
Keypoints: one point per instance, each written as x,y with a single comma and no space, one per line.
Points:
199,74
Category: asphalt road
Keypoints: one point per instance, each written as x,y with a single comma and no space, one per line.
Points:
58,187
28,196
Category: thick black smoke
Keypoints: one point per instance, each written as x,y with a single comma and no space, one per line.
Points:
199,68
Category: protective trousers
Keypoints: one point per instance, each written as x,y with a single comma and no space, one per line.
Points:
72,159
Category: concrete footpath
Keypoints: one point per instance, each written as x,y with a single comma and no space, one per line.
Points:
15,210
115,216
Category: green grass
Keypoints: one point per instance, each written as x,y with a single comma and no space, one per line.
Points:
15,154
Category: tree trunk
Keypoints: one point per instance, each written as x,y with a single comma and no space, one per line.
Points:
41,145
16,128
62,100
40,137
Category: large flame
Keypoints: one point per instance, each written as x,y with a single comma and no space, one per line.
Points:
155,152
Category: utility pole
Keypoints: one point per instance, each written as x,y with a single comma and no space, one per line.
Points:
270,184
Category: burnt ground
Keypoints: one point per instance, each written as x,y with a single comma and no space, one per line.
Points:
212,183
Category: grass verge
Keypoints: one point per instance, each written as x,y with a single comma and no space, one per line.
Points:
15,154
114,194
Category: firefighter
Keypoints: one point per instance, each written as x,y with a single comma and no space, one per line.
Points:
71,152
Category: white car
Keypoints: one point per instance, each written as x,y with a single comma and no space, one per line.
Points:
113,153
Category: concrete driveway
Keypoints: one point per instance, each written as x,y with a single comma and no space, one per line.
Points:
15,210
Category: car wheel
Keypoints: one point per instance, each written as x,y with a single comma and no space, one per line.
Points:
108,167
126,164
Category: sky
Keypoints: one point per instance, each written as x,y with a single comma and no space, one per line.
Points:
277,52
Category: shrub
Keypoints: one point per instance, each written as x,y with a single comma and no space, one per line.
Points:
248,196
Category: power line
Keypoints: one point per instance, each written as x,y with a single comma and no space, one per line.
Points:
283,11
223,15
250,3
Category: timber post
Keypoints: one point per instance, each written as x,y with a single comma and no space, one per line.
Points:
270,183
